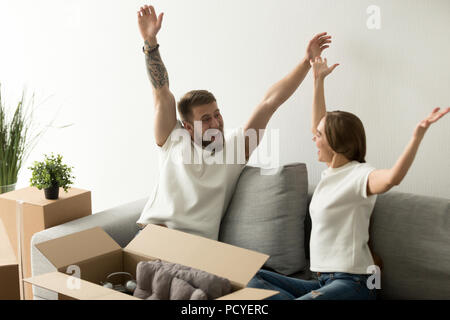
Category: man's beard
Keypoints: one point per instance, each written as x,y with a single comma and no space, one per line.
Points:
213,145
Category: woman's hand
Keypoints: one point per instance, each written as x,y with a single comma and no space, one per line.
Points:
377,260
423,126
320,68
149,24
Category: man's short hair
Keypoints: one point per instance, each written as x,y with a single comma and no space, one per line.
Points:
192,99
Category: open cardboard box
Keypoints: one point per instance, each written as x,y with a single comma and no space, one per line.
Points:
97,255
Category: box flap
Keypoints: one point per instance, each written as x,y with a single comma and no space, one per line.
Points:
233,263
77,247
7,255
249,294
58,282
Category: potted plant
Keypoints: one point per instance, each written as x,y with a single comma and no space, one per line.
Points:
18,137
50,175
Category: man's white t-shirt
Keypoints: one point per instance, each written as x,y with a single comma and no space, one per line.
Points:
340,214
192,197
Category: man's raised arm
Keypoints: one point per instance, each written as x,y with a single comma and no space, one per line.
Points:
165,105
283,89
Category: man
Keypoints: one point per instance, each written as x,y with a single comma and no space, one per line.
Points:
192,197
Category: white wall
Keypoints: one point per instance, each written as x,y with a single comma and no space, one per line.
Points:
87,55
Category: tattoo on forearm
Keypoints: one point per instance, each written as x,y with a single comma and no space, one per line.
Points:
155,69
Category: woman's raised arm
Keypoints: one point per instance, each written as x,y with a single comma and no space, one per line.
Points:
320,71
381,181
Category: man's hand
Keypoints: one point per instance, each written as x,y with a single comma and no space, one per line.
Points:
317,45
423,126
149,24
320,68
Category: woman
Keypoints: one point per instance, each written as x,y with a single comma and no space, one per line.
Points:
342,204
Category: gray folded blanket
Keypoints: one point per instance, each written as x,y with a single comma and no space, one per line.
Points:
159,280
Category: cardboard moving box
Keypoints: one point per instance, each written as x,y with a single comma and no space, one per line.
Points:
96,255
37,214
9,268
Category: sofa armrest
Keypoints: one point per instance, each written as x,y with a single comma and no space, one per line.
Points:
119,222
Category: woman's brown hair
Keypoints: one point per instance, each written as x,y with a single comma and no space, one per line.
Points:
345,134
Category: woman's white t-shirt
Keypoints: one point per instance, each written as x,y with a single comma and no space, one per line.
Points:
192,197
340,214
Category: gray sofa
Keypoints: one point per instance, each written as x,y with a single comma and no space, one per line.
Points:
269,213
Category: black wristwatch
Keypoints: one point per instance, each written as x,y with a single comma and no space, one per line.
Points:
150,50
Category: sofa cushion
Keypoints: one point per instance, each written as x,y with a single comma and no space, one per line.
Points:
411,235
266,214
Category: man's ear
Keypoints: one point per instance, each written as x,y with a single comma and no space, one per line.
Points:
188,126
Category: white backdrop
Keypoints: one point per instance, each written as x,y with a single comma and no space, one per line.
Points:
87,56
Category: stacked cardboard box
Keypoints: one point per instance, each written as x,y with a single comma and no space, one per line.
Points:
35,214
9,268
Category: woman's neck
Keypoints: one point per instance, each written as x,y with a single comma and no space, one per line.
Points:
338,161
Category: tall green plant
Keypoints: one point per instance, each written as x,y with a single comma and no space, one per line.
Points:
16,139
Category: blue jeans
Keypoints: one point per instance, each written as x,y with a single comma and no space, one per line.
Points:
329,286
